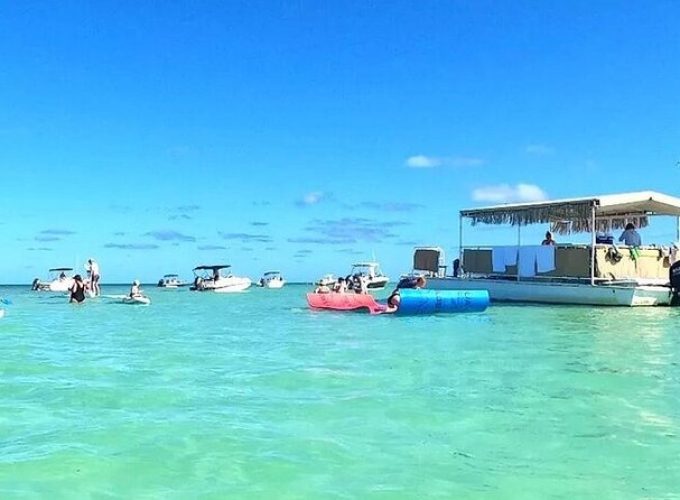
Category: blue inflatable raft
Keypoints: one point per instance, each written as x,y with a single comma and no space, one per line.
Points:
424,301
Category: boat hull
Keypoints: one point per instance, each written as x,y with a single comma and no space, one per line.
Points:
61,285
558,293
377,283
274,284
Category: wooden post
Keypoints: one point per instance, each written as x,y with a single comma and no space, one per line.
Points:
592,244
460,244
519,244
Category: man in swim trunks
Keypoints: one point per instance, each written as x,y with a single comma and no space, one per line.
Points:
93,268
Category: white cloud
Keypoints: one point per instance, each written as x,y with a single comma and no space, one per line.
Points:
312,198
464,161
539,150
422,161
505,193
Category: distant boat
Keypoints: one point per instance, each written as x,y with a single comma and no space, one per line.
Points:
210,279
171,281
272,279
60,280
370,271
327,280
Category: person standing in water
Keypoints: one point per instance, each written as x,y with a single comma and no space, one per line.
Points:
93,268
77,290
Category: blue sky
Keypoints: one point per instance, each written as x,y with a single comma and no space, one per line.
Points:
303,136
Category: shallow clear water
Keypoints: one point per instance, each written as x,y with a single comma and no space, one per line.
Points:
253,395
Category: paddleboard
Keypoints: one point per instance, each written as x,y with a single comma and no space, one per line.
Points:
144,301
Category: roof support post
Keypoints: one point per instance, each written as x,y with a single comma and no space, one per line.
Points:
460,242
519,244
592,244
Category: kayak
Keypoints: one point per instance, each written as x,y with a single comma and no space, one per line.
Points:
140,301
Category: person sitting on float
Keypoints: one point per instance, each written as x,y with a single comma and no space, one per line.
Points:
340,286
394,299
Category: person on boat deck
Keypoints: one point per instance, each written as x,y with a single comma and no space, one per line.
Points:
349,283
322,289
394,299
361,284
77,290
93,268
135,291
340,286
62,276
216,274
548,239
630,236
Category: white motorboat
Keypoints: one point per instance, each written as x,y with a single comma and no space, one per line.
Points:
327,280
60,280
272,279
171,281
587,274
370,272
210,279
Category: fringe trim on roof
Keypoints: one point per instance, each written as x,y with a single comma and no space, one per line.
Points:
535,215
564,219
601,225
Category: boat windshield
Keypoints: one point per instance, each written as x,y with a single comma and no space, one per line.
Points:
366,269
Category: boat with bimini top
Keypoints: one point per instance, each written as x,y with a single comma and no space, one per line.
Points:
171,281
599,273
370,271
60,280
210,279
272,279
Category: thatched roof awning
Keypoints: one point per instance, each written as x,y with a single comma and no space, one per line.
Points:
612,211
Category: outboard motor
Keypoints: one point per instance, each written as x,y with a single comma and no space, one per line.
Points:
36,284
674,278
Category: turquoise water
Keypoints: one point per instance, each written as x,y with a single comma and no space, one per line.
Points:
252,395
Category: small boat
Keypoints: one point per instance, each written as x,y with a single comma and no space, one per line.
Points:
210,279
60,280
137,300
171,281
370,271
272,279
